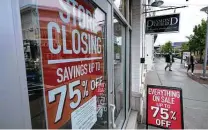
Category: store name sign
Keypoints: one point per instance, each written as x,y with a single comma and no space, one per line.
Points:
164,107
162,24
72,63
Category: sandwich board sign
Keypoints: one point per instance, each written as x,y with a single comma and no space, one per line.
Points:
164,107
186,54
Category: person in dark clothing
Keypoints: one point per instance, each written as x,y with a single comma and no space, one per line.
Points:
191,63
169,60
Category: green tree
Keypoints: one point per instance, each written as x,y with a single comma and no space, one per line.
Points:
185,47
162,50
197,40
192,44
167,47
177,50
117,48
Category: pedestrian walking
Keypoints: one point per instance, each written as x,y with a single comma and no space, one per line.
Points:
191,63
169,60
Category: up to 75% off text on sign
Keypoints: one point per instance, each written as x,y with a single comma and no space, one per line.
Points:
164,107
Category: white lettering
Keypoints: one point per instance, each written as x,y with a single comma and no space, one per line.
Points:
65,51
70,72
98,45
83,37
89,45
174,19
66,75
75,4
81,16
74,33
67,9
89,20
58,72
52,25
93,44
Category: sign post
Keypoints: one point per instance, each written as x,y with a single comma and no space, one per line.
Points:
164,107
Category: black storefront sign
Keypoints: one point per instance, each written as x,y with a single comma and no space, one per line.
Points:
163,24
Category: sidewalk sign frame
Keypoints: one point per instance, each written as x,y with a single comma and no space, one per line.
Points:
164,87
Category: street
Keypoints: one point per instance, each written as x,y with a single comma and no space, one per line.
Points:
195,95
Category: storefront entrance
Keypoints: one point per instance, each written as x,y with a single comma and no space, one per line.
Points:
66,63
73,60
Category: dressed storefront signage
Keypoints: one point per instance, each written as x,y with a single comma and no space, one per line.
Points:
164,107
72,49
162,24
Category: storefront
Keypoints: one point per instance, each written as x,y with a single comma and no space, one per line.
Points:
68,62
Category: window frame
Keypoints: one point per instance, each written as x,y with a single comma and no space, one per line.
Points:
128,27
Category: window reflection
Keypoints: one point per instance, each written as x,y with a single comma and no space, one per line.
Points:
130,12
130,77
121,5
119,81
31,46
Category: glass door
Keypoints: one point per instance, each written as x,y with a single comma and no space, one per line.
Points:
119,72
65,48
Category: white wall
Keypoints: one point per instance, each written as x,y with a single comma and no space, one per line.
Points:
136,44
149,42
141,46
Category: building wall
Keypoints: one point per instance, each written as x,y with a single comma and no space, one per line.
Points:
136,44
142,45
138,51
149,42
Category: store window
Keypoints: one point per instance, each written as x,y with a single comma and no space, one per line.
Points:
130,12
64,48
119,71
130,72
121,5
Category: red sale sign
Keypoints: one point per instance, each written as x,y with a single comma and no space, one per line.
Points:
72,48
100,89
164,107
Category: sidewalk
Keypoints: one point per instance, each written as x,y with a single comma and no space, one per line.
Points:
195,95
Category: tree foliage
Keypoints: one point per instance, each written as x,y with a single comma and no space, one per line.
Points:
117,48
176,50
185,47
198,38
167,47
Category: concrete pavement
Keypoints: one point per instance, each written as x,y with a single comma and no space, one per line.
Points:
195,95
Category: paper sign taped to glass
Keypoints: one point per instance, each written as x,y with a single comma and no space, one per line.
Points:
72,48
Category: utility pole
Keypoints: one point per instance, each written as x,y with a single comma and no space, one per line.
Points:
205,9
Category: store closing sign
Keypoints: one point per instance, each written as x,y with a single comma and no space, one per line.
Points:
72,48
164,107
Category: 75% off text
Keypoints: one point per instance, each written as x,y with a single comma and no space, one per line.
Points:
165,115
73,91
